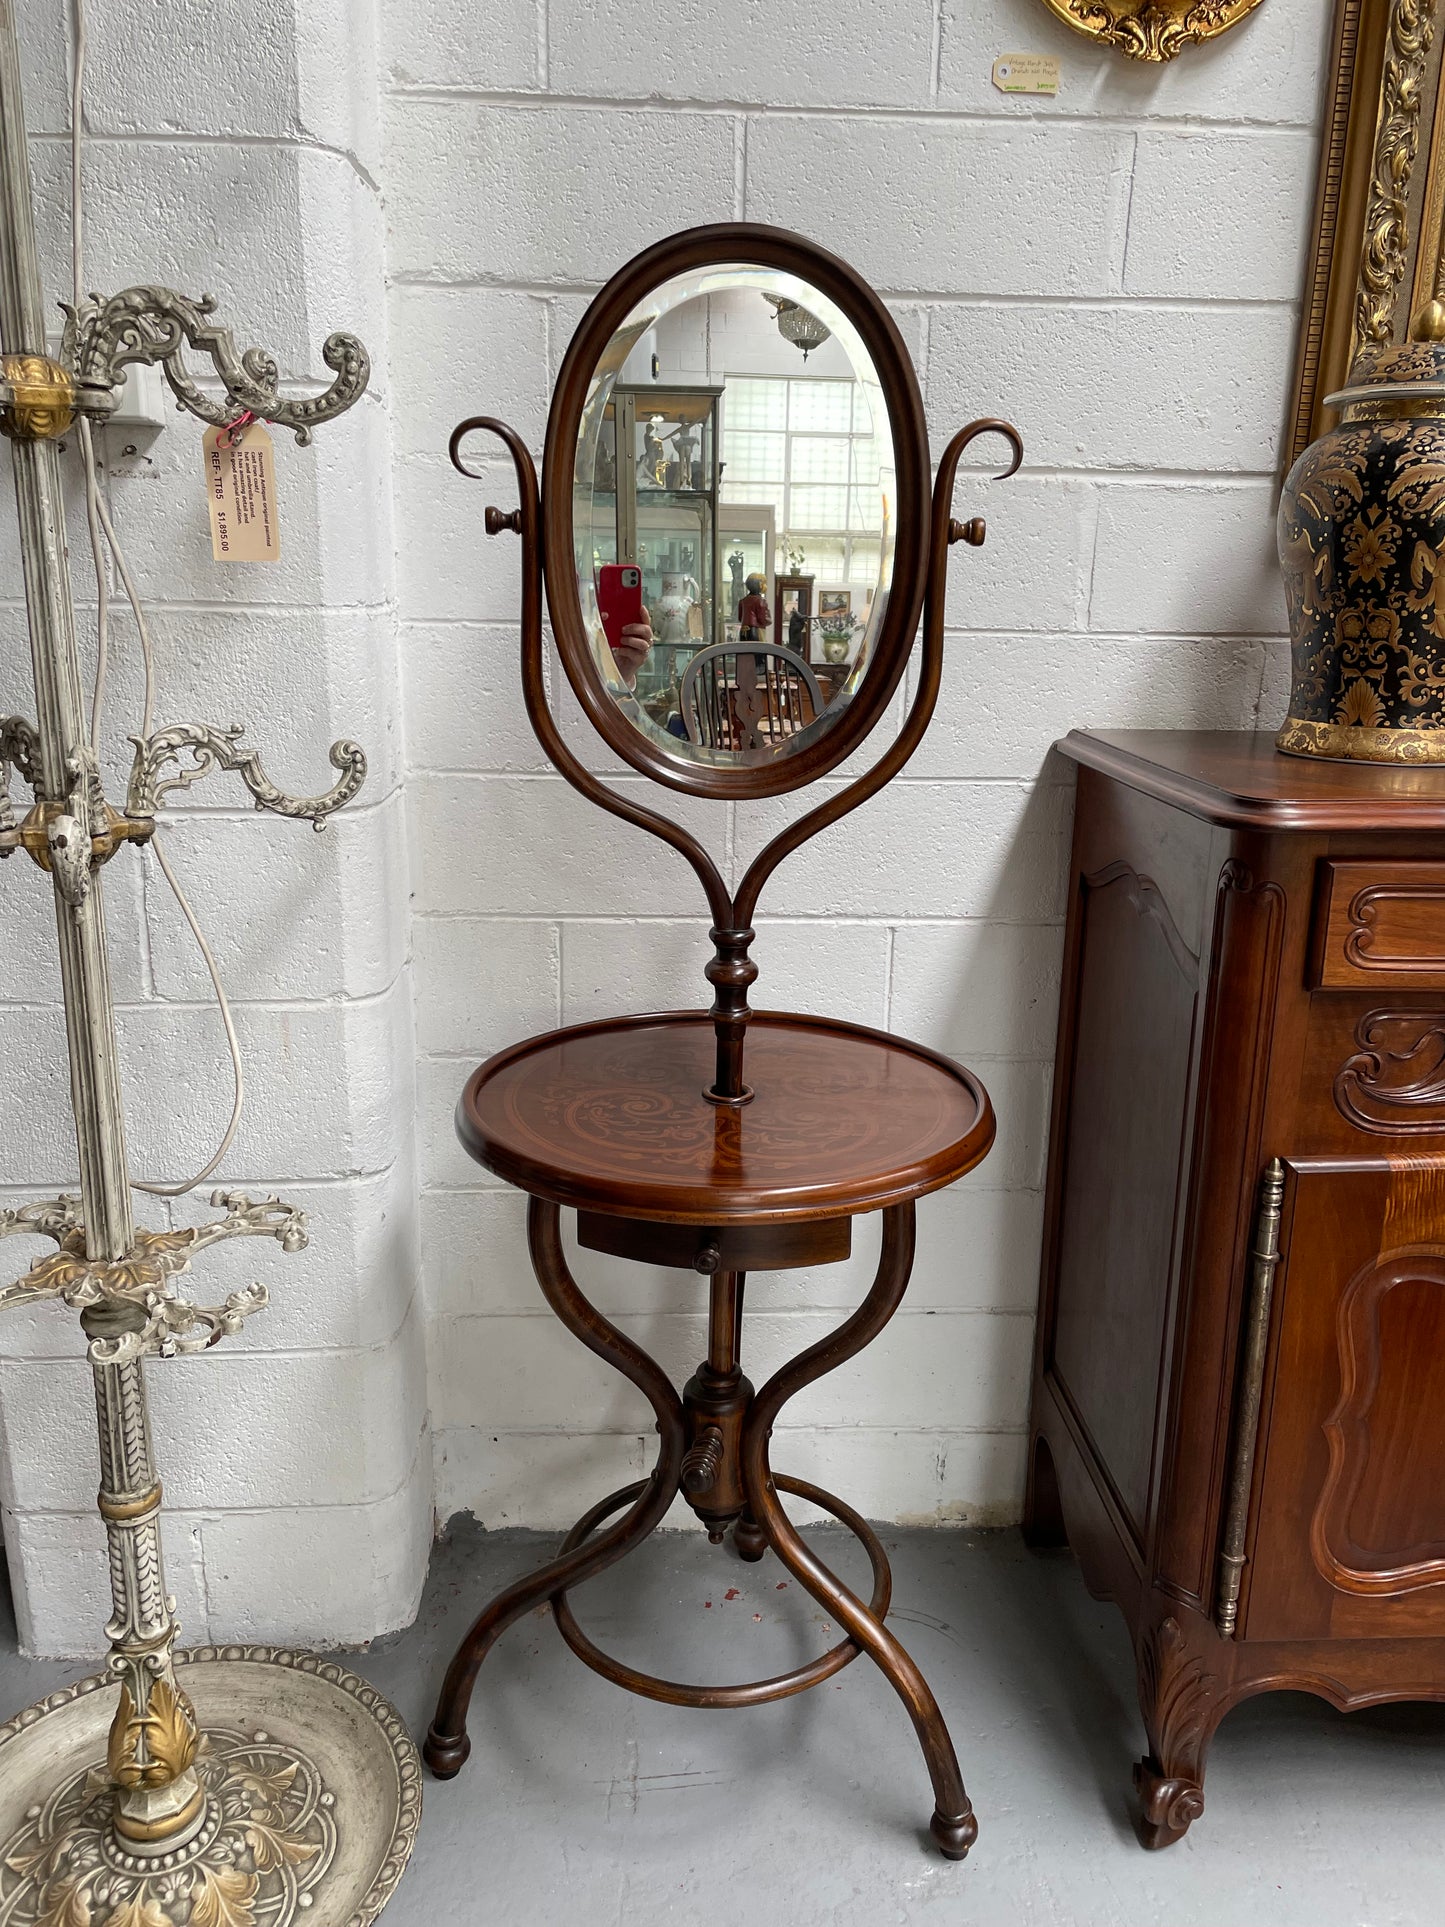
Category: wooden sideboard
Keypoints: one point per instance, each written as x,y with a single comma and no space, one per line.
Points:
1239,1386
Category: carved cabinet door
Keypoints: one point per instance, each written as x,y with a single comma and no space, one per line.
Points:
1349,1533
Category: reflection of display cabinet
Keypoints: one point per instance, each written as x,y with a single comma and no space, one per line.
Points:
660,446
1239,1397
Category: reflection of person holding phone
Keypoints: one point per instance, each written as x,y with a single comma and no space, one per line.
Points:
631,647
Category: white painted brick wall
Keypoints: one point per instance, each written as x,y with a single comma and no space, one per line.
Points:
237,156
1117,270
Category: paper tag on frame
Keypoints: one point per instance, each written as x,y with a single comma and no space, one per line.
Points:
241,495
1026,74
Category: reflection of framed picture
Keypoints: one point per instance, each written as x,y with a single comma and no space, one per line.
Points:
835,602
792,611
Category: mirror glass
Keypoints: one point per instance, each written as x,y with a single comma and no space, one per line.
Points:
733,515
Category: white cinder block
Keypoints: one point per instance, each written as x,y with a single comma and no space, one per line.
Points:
464,706
924,849
977,987
285,237
610,968
304,1428
328,1088
482,983
486,193
1172,558
298,677
44,69
1220,217
37,1136
1006,700
59,1580
978,1249
1033,570
29,966
467,351
318,915
537,1479
445,569
922,1478
868,57
527,846
440,1158
148,71
1266,70
277,1575
932,205
332,511
433,43
1122,386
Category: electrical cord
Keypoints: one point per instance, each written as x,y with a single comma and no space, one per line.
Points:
102,538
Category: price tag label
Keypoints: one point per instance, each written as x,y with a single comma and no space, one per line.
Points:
1026,74
241,495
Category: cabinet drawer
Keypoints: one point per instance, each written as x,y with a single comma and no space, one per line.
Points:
1379,926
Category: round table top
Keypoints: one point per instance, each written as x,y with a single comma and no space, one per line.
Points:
611,1117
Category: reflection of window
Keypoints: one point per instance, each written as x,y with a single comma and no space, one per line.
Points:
808,449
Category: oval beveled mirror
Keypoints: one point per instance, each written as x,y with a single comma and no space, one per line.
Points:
735,453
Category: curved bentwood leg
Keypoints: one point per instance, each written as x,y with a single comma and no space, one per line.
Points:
447,1744
953,1826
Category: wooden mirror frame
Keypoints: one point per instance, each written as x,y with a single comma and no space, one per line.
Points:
739,244
1379,227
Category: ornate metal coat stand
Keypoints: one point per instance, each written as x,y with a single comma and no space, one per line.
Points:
215,1788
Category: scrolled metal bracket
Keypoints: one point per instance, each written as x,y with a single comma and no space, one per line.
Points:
154,325
19,751
219,747
145,1279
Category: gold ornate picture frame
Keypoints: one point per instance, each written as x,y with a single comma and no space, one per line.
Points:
1151,30
1379,225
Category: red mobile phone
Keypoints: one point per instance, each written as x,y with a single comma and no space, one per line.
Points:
619,597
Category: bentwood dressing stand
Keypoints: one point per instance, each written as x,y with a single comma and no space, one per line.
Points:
1239,1391
727,1140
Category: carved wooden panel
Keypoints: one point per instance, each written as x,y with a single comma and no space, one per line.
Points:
1351,1527
1380,924
1377,1528
1133,1040
1394,1083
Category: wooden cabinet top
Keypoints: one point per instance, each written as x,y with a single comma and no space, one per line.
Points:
1237,778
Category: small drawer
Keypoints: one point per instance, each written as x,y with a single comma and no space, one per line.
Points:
1379,926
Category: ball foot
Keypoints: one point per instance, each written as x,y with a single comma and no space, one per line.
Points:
445,1753
953,1836
749,1540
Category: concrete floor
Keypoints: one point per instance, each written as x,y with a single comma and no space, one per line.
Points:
582,1806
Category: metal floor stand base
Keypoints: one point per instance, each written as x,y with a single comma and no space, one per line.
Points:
312,1800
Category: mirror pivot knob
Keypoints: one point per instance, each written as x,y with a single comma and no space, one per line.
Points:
498,519
972,532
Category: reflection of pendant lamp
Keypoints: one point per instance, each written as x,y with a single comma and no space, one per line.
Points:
795,324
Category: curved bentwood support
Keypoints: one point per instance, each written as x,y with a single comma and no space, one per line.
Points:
720,1401
732,971
447,1744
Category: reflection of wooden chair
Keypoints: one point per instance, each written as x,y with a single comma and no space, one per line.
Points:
747,695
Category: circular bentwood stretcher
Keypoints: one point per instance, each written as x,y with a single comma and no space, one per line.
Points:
614,1120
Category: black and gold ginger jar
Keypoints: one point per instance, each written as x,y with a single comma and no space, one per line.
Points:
1362,544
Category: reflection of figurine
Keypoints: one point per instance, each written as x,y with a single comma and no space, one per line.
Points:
737,562
652,462
798,630
674,607
684,441
605,473
753,614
